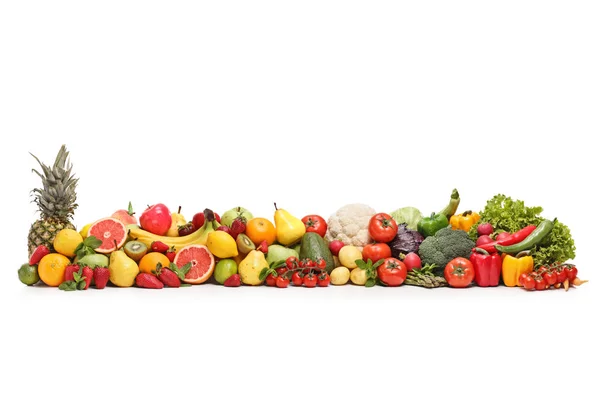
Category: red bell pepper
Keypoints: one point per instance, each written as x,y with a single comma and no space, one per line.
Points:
488,267
515,238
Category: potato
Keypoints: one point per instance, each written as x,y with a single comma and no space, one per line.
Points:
348,256
340,276
358,276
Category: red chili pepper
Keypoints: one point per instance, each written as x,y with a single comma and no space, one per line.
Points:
515,238
488,267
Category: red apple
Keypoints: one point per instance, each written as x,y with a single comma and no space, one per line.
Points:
335,246
483,239
485,229
126,216
156,219
198,219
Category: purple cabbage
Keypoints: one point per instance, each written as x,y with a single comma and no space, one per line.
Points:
406,241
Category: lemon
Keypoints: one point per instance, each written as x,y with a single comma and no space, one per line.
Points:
340,276
66,241
84,231
221,244
348,256
358,276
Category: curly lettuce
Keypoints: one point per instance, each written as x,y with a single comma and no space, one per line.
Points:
506,214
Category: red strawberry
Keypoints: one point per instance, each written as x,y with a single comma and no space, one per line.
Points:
237,226
70,270
171,254
87,273
233,281
263,246
38,254
159,246
168,277
148,281
101,276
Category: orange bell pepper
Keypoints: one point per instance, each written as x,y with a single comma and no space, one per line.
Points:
464,221
514,266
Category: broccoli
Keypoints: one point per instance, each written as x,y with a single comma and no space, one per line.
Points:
444,246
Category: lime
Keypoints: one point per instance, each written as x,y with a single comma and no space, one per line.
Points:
28,274
224,269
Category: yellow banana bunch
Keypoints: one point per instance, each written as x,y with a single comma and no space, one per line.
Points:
198,237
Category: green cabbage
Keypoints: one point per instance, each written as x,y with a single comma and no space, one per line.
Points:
407,215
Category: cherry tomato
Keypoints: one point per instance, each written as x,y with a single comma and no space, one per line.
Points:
522,278
309,280
540,282
281,270
541,270
297,278
321,264
382,228
571,272
528,282
376,252
324,279
307,264
459,272
550,277
270,281
316,224
292,263
392,272
282,282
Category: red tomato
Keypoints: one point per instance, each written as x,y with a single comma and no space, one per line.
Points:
528,282
382,228
270,281
282,282
281,271
297,278
376,252
571,272
561,275
550,277
392,272
459,272
324,279
316,224
292,263
540,283
309,280
321,264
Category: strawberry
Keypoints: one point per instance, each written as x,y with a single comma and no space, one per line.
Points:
171,254
148,281
38,254
159,246
263,246
101,276
233,281
237,226
168,277
70,270
87,273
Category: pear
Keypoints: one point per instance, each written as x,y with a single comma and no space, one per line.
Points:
177,220
122,269
289,229
250,267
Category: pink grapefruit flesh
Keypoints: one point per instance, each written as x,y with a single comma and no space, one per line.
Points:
109,230
203,263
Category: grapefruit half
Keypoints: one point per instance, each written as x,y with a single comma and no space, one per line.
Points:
203,263
109,230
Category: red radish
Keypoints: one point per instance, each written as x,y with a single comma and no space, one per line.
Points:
485,229
335,246
483,239
412,261
502,235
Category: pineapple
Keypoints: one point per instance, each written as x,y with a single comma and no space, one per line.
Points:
55,200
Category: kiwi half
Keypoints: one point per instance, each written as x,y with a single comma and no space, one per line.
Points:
135,250
244,244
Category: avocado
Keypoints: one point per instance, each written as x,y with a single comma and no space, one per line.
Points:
314,247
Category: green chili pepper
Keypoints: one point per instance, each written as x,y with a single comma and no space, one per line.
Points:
543,230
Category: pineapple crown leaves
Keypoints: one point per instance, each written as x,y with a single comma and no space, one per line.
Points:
57,196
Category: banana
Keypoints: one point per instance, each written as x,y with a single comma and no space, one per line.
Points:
198,237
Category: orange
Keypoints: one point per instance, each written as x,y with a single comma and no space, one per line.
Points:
52,269
149,262
259,229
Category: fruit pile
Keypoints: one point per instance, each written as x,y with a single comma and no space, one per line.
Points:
357,245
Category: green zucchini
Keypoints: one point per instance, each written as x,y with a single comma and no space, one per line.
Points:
452,206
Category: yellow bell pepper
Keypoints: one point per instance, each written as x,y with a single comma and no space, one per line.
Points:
464,221
514,266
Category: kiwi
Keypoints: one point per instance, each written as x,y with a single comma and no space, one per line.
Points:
135,250
244,244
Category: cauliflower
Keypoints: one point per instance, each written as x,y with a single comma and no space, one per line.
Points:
350,224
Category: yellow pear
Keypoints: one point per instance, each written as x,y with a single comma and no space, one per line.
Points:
289,229
122,269
177,220
249,269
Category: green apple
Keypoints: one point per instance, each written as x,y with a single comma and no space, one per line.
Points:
278,253
224,269
237,212
94,260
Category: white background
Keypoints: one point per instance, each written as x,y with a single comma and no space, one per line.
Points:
313,105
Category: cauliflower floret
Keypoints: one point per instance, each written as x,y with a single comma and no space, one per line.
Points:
350,224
